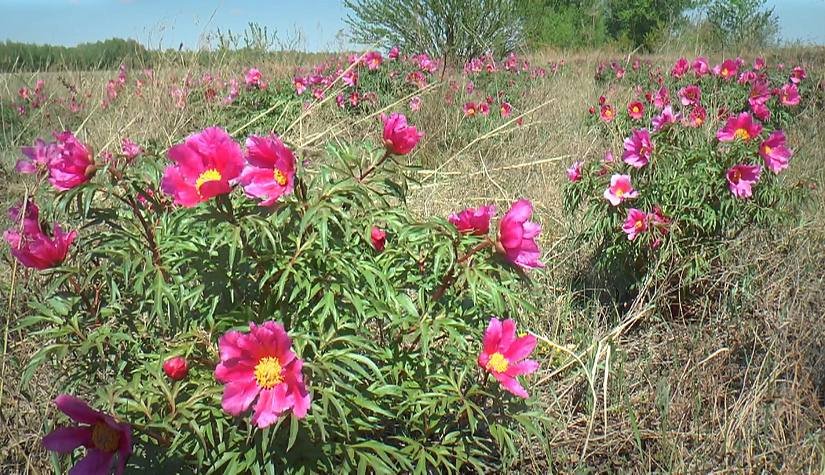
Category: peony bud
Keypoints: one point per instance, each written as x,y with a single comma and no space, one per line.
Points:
176,368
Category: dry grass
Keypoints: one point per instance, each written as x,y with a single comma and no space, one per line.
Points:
734,384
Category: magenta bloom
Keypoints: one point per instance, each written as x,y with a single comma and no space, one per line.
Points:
483,109
415,104
681,67
727,70
574,173
176,368
130,149
373,60
620,189
270,169
635,223
107,441
690,95
261,364
789,95
33,247
475,221
697,117
399,137
378,238
741,179
300,85
606,113
505,109
741,127
517,236
636,110
775,153
254,78
37,158
662,98
503,355
393,54
638,148
700,66
72,163
758,63
798,74
470,109
664,119
205,164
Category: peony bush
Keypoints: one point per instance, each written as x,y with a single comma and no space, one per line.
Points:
696,157
232,307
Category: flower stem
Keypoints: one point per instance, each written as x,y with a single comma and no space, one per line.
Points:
375,165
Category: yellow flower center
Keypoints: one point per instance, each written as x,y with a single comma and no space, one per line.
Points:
725,72
105,438
497,363
635,109
737,175
767,149
639,225
619,192
742,134
280,178
608,113
207,176
268,372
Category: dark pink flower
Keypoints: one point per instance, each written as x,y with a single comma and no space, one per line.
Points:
663,120
741,127
759,64
775,152
71,164
474,221
574,173
205,165
37,158
378,238
741,179
700,66
789,95
636,110
697,117
108,442
176,368
31,245
662,98
727,70
620,189
638,148
681,67
798,74
393,54
130,149
690,95
261,365
517,236
503,355
373,60
300,85
484,109
399,137
635,223
505,109
270,169
254,78
606,113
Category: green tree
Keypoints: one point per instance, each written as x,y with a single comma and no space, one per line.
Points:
453,29
742,22
644,22
564,23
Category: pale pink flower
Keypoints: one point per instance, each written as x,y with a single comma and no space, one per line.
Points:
574,173
635,223
620,189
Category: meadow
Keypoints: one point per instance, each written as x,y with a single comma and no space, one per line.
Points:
712,366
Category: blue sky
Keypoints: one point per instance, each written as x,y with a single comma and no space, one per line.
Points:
170,22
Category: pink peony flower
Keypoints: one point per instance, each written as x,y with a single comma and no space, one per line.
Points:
758,64
176,368
503,355
261,365
635,223
470,109
37,158
690,95
300,84
483,109
666,118
475,221
130,149
662,98
505,109
270,169
574,173
415,104
620,189
373,60
378,238
108,442
798,74
761,111
775,153
697,117
741,127
606,113
638,148
72,163
205,164
789,95
399,137
608,156
517,236
700,66
31,245
680,68
727,70
393,54
636,110
253,78
741,178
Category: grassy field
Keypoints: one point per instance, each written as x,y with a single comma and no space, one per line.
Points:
734,382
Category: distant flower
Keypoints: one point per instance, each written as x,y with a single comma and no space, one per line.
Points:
517,236
205,164
393,54
690,95
697,117
37,158
663,120
415,104
727,70
620,189
269,172
260,364
31,245
300,84
798,74
741,127
373,60
635,223
399,137
484,109
680,68
474,221
759,64
741,179
574,173
505,109
775,152
700,66
130,149
176,368
378,238
71,164
606,113
789,95
638,148
503,355
662,98
350,78
608,156
254,78
636,110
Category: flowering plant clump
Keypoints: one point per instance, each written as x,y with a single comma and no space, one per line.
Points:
237,309
704,152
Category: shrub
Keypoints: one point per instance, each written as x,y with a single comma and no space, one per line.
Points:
702,163
366,322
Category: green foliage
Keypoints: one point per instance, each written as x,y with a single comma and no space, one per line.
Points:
453,29
564,23
644,22
389,339
742,22
108,54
